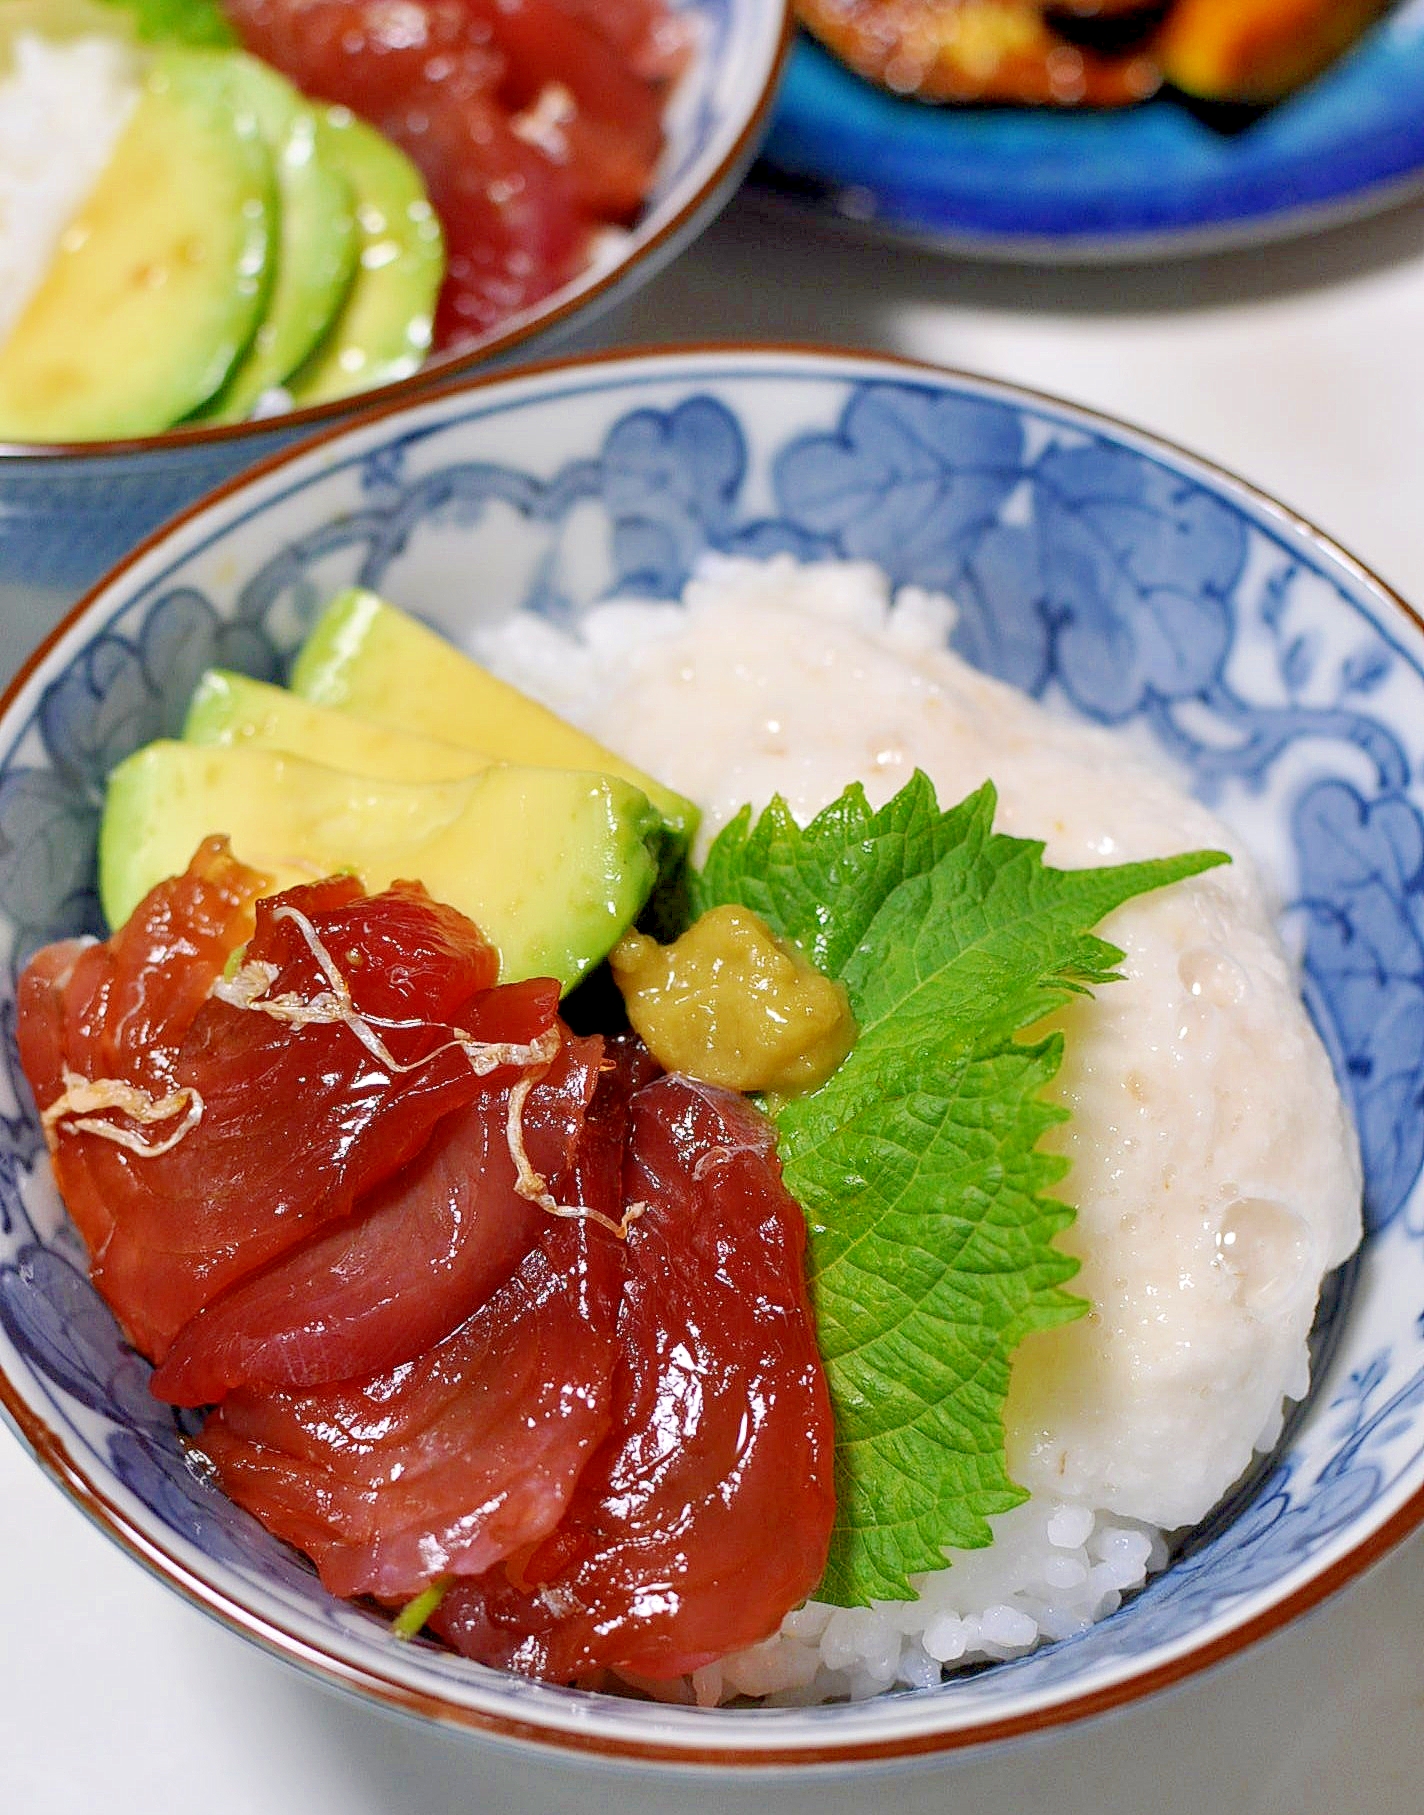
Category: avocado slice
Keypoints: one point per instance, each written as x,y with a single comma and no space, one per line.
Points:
368,657
552,865
234,710
316,246
382,330
160,280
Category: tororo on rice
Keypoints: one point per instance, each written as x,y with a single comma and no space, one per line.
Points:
1213,1168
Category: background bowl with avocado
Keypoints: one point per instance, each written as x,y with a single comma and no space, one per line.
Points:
237,224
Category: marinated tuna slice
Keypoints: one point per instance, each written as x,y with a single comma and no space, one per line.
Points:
418,1256
121,1009
513,229
400,953
190,1155
533,122
595,1176
576,97
655,42
448,1464
706,1515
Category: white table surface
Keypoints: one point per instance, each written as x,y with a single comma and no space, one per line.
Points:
1301,367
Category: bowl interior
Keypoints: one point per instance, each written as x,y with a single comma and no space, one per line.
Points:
1108,575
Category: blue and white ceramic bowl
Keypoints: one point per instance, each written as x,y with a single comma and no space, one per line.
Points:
1124,581
68,513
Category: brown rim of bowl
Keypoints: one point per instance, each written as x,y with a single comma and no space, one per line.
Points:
438,371
53,1456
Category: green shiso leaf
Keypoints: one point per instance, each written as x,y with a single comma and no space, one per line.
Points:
918,1164
200,22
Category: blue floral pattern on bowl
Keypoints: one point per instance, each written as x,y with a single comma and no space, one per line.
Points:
1093,568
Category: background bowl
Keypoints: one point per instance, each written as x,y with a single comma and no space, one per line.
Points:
68,513
1289,689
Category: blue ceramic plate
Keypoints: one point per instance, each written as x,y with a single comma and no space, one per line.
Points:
1030,184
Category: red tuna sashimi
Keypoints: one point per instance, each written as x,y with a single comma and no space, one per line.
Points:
707,1514
452,1462
654,42
413,1262
118,1009
294,1120
425,74
513,228
579,100
368,54
400,952
595,1177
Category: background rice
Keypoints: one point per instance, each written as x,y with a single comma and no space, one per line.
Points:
62,109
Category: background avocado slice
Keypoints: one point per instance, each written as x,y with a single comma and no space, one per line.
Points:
382,330
365,656
234,710
553,866
316,243
160,281
175,21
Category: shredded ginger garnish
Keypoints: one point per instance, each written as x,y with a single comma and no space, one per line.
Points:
81,1099
247,989
531,1184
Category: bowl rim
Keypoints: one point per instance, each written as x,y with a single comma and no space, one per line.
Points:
593,289
820,1752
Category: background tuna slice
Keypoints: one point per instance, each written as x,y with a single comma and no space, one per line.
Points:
533,122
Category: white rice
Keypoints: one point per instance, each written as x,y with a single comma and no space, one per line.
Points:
62,109
1053,1569
1212,1166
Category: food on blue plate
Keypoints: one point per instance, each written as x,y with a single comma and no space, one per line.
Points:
612,1374
1257,50
1090,53
976,50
